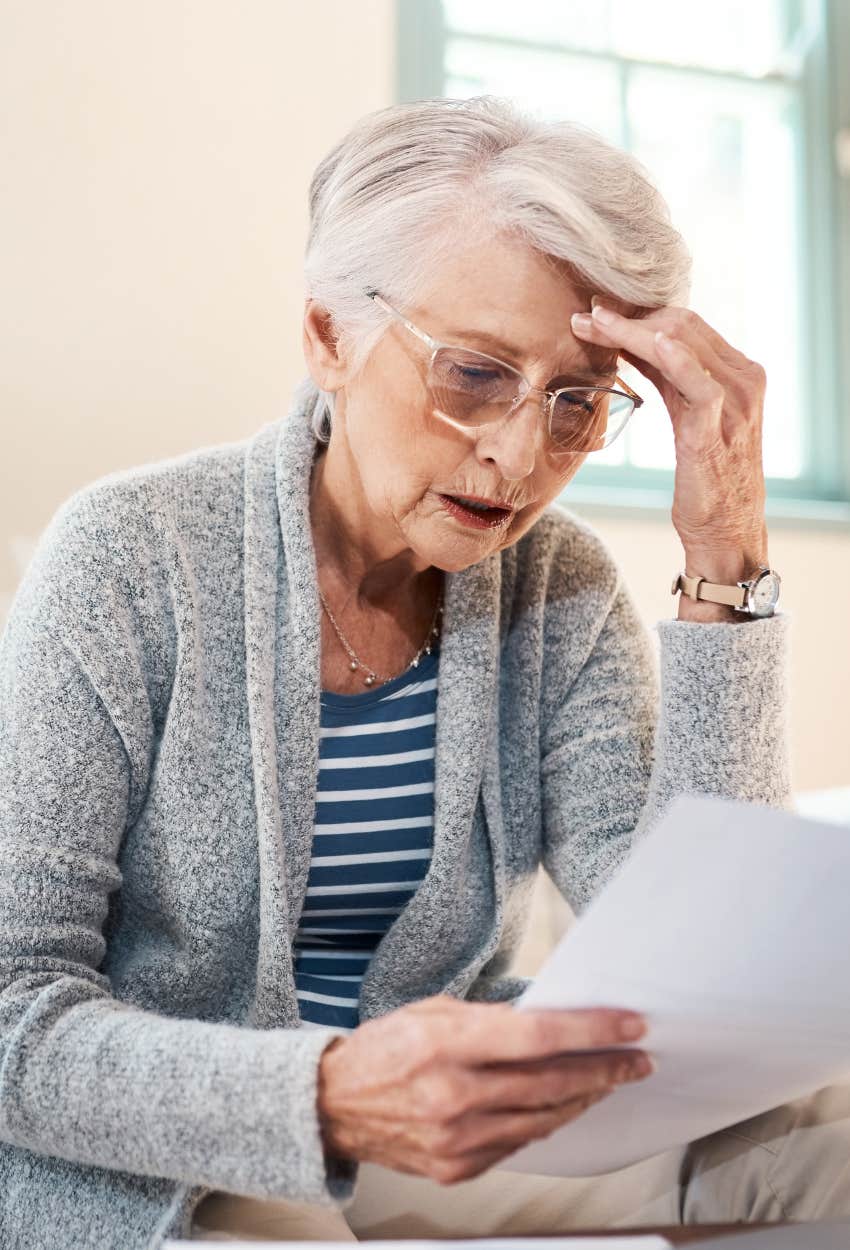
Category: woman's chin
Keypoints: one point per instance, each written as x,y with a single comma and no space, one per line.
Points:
452,549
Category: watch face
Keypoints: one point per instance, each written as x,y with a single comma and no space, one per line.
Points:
764,595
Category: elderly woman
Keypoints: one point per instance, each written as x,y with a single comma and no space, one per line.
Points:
288,725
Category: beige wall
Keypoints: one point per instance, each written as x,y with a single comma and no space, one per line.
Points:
153,220
156,158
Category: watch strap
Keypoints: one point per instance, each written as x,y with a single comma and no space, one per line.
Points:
699,588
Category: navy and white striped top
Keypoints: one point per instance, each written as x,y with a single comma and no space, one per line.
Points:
373,835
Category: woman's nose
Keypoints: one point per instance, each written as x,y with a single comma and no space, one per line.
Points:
515,444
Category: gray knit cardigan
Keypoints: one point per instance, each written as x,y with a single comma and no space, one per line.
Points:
159,713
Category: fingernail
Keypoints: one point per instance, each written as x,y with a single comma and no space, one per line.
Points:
641,1067
603,315
632,1027
582,320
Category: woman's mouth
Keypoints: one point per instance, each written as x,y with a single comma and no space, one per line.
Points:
475,513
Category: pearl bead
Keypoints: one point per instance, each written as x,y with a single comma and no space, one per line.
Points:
354,666
369,680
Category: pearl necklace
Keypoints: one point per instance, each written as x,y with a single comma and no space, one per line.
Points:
371,676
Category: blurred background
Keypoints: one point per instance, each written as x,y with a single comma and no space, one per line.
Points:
155,162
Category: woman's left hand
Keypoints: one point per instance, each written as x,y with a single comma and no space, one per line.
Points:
715,397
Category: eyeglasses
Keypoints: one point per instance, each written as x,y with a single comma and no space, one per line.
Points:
471,389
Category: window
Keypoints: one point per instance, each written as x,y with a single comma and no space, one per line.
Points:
737,113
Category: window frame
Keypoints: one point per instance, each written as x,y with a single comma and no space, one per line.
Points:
823,146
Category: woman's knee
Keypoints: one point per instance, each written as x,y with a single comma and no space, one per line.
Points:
787,1163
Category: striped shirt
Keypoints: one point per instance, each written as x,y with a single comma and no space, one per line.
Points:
373,835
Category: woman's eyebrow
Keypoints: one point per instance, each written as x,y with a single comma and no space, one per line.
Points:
574,373
601,374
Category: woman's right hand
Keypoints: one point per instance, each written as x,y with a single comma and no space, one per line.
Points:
445,1088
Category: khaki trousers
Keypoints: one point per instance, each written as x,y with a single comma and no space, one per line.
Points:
790,1163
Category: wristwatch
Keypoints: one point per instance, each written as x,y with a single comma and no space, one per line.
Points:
757,597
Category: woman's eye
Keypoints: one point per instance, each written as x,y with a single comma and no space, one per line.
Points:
470,373
575,403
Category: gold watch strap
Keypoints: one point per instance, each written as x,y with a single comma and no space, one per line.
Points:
699,588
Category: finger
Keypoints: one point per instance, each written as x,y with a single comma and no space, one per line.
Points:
444,1171
699,391
476,1164
740,385
657,378
635,340
687,325
691,328
549,1085
527,1034
507,1130
453,1156
445,1093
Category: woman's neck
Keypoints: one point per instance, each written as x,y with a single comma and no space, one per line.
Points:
359,556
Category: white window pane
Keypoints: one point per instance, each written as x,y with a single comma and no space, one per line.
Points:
613,455
723,155
649,30
724,34
551,85
570,23
649,434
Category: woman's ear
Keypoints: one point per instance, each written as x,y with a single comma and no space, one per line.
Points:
320,342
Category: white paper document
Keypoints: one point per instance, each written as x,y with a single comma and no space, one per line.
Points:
728,927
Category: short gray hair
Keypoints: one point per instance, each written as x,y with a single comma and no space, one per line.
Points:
408,183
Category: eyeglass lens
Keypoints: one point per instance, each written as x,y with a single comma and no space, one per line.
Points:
471,389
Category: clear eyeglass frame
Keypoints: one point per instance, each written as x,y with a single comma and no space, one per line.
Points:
524,386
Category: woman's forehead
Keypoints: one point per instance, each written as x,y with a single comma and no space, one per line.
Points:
516,305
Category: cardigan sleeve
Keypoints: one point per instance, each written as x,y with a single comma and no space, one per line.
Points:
631,732
84,1076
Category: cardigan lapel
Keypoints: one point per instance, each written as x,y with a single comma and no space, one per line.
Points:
262,566
452,922
451,925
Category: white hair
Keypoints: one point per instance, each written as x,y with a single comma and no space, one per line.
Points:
411,183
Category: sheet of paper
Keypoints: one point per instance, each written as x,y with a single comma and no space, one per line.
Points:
729,928
477,1243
